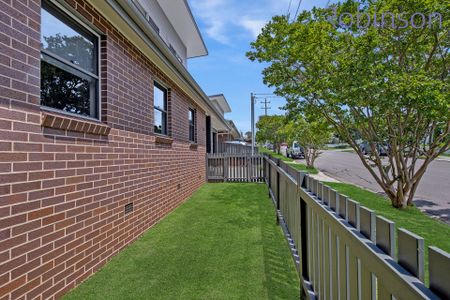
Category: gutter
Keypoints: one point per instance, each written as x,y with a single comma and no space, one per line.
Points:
126,9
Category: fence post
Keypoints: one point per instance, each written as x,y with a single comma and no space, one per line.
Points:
278,190
411,253
206,167
439,264
278,184
225,168
367,223
249,167
270,173
385,235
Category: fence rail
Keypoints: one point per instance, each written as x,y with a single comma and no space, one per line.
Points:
235,168
230,148
344,250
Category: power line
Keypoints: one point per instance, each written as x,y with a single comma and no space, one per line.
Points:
263,94
289,9
268,97
298,8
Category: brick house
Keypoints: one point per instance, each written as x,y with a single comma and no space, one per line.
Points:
218,136
103,132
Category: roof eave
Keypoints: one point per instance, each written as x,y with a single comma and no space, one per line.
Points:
195,46
126,8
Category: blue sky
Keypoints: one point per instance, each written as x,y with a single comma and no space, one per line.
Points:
228,27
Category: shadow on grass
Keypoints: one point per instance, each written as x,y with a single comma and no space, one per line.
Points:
281,277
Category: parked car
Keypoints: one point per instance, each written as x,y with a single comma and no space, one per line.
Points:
366,148
296,151
269,146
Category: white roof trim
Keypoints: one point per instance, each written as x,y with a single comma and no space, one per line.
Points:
180,16
221,101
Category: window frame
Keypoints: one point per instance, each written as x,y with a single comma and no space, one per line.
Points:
164,111
66,16
192,125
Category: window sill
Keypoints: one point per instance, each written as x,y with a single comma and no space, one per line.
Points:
193,146
164,140
69,123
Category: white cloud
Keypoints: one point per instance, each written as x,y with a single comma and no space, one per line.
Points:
211,13
253,26
221,18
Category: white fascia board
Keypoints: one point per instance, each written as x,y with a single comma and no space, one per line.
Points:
180,16
222,102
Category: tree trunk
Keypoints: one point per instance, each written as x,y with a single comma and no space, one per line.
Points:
309,157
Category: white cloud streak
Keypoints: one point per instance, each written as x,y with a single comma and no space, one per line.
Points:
222,17
253,26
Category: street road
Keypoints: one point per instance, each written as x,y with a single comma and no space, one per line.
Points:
432,196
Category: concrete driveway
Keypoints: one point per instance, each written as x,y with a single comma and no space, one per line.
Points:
432,196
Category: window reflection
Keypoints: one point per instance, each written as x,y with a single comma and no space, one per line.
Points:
159,98
63,40
160,122
64,90
69,80
160,108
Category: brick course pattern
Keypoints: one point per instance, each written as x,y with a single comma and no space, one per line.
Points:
63,193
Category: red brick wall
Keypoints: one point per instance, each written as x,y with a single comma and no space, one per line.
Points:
62,193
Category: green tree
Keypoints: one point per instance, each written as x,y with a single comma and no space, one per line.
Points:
311,133
271,129
388,85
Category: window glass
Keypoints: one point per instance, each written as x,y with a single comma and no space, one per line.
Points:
68,41
160,108
67,91
191,117
159,97
69,80
160,122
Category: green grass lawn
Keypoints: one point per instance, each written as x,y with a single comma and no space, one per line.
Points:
290,161
434,232
304,168
263,150
223,243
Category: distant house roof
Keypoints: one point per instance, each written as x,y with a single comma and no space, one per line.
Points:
234,131
180,16
220,102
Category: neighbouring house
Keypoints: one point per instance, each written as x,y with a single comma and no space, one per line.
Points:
221,134
103,133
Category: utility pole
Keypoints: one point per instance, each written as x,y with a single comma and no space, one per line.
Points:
252,100
266,106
